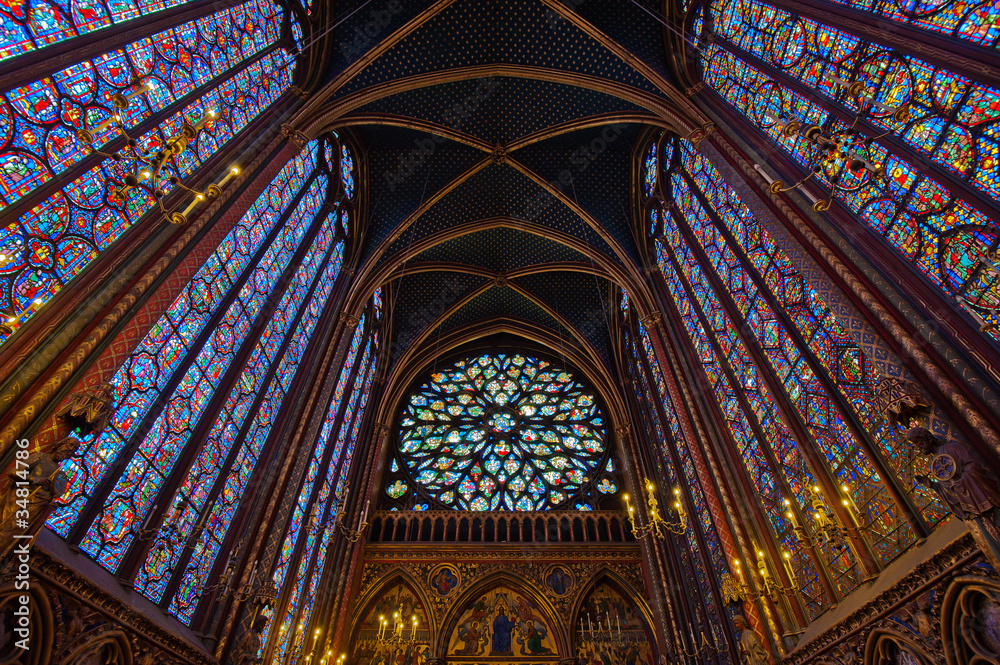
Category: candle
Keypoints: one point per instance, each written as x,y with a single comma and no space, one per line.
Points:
617,621
181,217
232,173
581,625
591,624
760,170
205,514
364,515
788,567
739,571
413,633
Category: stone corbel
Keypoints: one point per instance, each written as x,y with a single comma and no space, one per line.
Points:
294,136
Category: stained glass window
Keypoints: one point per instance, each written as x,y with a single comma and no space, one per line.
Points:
650,170
148,370
975,21
322,505
502,432
744,424
773,67
843,360
228,62
191,499
128,502
197,570
347,170
33,24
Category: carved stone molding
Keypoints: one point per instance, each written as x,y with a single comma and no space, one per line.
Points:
349,320
91,625
299,92
652,320
700,134
900,615
695,89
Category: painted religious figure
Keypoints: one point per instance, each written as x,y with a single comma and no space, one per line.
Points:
501,622
502,627
444,581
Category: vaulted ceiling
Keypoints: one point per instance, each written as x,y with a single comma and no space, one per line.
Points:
498,139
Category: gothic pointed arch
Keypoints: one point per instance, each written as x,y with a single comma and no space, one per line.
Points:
396,592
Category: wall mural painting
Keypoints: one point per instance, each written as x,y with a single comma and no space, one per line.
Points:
502,625
605,607
397,603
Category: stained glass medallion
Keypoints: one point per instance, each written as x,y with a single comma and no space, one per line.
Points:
650,171
502,432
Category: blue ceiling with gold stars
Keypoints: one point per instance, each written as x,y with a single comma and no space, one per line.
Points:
498,139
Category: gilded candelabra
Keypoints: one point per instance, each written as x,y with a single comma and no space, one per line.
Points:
657,525
825,526
154,167
396,636
738,588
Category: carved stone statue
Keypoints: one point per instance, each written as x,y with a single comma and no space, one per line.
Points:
246,648
965,484
751,650
34,483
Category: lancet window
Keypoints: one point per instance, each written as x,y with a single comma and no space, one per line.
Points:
793,387
154,497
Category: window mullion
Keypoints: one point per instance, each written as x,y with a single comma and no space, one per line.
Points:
248,423
811,451
861,435
285,588
43,192
979,63
833,595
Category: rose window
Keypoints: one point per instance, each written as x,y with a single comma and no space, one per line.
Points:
502,432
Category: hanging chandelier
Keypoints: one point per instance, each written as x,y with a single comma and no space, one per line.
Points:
153,165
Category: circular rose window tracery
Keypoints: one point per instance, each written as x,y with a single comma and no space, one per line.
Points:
502,432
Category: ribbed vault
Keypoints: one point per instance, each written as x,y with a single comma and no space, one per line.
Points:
498,143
